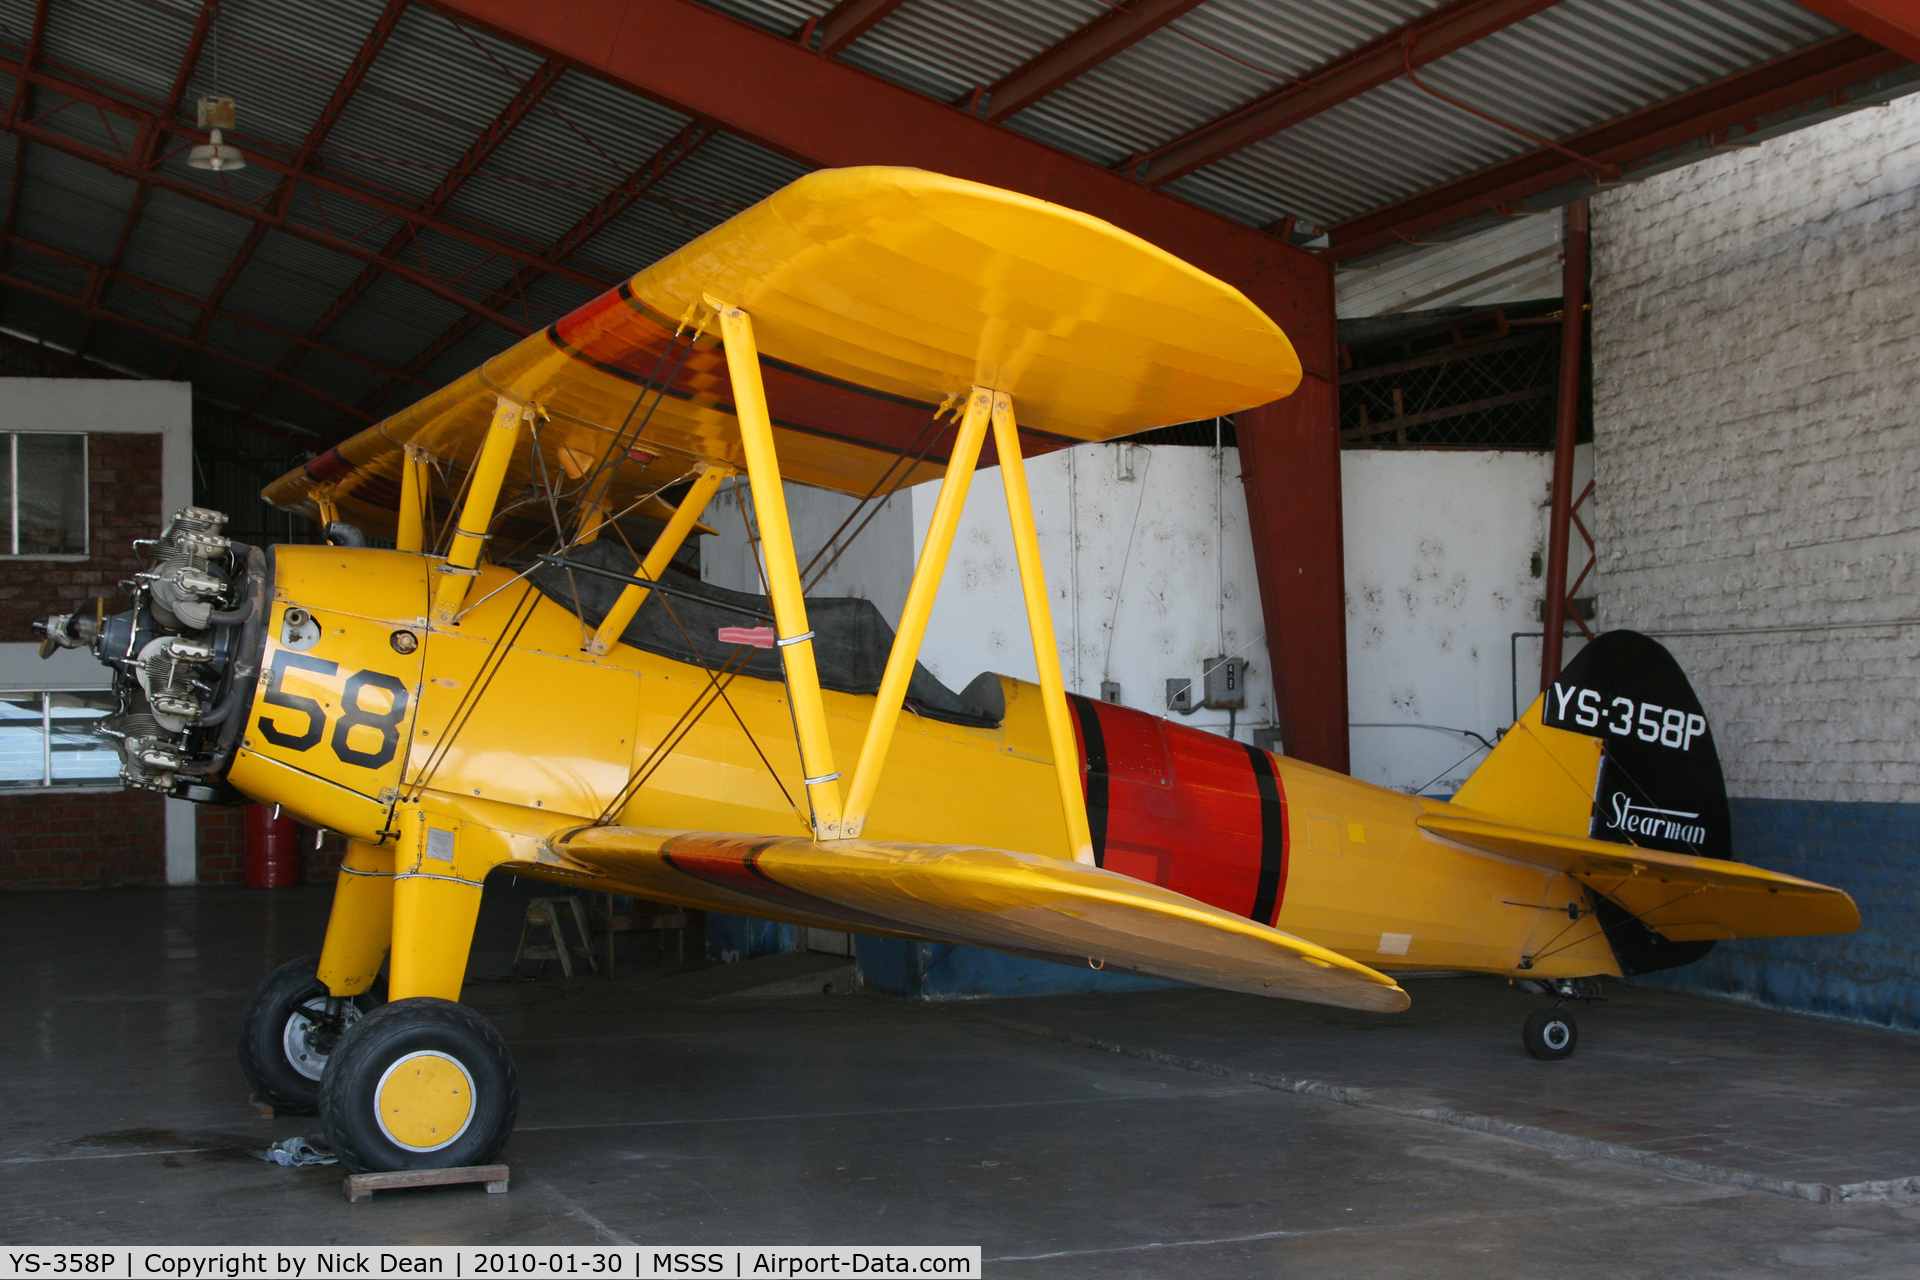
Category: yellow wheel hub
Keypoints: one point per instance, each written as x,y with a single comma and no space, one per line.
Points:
425,1100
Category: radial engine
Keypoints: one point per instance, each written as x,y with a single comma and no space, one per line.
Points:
184,658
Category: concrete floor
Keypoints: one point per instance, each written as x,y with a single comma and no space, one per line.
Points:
857,1120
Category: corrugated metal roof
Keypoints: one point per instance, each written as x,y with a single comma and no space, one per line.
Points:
1515,262
437,84
1198,67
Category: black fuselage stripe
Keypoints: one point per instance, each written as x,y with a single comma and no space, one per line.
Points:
1088,713
1273,837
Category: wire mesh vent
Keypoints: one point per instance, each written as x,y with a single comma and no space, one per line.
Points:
1487,382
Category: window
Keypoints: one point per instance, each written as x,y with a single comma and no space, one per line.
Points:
53,740
43,493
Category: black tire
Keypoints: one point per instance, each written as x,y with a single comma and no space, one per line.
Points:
281,1063
355,1110
1550,1034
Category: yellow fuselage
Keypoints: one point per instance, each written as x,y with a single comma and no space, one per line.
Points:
507,725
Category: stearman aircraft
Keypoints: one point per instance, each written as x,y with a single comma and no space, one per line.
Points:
527,680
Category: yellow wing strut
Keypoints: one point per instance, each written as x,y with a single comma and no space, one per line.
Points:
1046,651
783,569
414,475
659,556
483,492
919,606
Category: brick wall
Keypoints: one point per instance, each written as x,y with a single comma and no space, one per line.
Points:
1870,850
222,837
123,496
51,840
56,840
1756,372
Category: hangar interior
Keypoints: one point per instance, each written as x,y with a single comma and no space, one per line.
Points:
1606,313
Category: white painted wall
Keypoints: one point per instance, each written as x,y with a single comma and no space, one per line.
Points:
1149,565
1186,593
1439,556
106,405
878,565
1756,369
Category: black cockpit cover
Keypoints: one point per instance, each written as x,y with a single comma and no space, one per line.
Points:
850,645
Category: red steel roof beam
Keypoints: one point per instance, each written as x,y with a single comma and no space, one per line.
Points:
826,113
149,148
22,100
135,283
336,105
323,125
490,140
1816,70
1448,29
72,364
1108,34
126,169
847,21
1893,23
490,241
94,311
638,183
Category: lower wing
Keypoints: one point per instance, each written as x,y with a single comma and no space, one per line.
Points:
1685,899
1046,908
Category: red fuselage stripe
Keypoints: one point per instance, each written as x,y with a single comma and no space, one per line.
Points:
1198,813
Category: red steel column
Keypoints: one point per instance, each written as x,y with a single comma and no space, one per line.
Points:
1290,465
1572,325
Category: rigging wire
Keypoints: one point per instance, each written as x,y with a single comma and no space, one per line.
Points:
884,477
1113,619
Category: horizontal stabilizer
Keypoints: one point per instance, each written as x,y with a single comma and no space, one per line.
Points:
1686,899
1046,908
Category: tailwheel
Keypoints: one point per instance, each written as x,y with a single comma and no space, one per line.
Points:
290,1027
423,1083
1550,1034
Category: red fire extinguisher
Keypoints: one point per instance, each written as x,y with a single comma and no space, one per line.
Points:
273,848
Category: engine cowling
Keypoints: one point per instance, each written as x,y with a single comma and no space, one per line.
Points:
184,657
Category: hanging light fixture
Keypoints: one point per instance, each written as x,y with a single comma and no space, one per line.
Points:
216,114
215,154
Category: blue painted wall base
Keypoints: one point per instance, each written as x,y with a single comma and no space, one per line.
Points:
1873,976
942,971
924,970
731,939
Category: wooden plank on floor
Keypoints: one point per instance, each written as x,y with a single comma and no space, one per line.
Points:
361,1186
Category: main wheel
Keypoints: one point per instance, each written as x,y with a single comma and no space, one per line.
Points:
419,1084
1550,1034
287,1033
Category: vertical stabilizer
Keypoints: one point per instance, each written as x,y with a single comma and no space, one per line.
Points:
1617,749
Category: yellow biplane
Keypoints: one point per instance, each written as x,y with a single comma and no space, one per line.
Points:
528,680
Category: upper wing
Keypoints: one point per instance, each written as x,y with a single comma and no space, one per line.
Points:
876,293
1686,899
1034,906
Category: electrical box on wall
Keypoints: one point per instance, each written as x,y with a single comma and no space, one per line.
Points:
1180,695
1109,691
1224,687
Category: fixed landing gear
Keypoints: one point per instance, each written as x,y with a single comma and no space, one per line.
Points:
289,1030
423,1083
1551,1034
